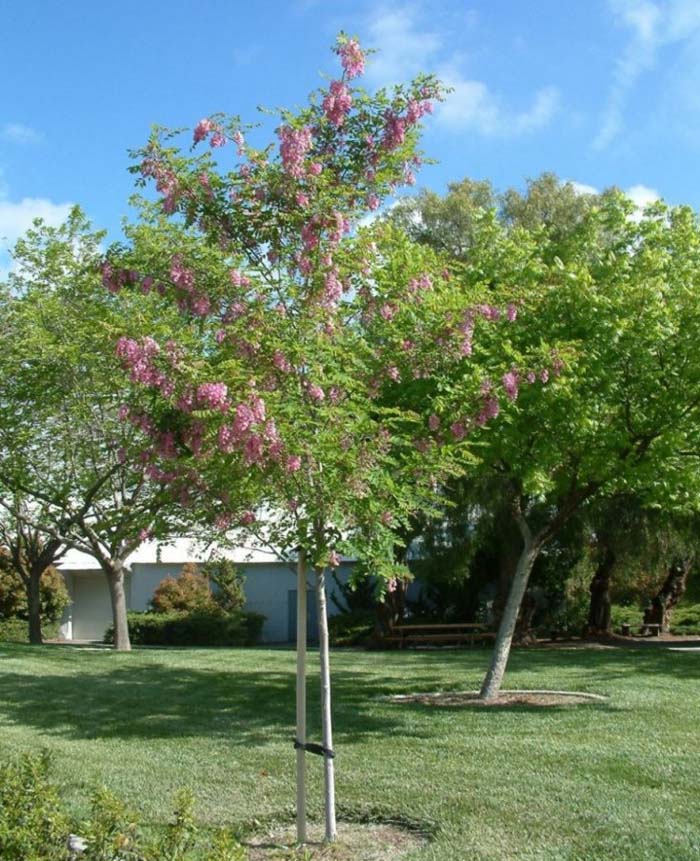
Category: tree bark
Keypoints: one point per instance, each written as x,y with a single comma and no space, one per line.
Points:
33,585
670,593
504,638
599,609
326,717
115,577
301,697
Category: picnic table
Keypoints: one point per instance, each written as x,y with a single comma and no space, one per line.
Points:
435,633
646,628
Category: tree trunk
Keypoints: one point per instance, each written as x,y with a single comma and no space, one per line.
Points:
599,610
326,718
33,584
301,697
672,590
504,638
115,577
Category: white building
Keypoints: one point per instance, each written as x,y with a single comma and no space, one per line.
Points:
270,587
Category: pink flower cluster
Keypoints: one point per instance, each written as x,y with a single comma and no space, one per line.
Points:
206,127
139,358
294,147
166,182
337,103
191,299
213,396
352,58
251,433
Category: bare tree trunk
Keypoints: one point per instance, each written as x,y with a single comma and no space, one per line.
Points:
504,638
599,609
115,578
326,717
672,590
301,697
33,584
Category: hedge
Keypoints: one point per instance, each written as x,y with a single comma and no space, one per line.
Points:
200,628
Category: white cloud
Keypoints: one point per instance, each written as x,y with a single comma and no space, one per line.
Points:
405,46
653,26
582,188
640,195
409,44
19,133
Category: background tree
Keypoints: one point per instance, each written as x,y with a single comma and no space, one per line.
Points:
63,447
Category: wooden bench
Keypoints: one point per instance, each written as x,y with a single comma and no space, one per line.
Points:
653,629
458,634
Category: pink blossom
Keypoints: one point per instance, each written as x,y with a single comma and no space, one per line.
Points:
416,109
386,518
217,140
393,373
459,430
247,518
239,140
222,522
202,129
373,201
258,408
388,310
531,376
316,393
511,312
293,463
544,375
213,396
294,145
337,103
226,439
394,131
510,384
333,289
123,413
253,449
433,422
281,362
352,58
243,420
145,534
302,199
315,168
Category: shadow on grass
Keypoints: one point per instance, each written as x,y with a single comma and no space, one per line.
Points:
247,707
252,702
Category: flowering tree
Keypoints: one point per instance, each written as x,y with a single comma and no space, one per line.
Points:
273,399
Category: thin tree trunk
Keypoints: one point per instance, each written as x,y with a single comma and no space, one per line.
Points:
599,609
504,638
115,578
301,697
33,584
670,593
326,718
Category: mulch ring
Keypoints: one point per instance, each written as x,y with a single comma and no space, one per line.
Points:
356,842
542,699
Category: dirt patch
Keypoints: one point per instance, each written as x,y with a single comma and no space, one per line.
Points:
505,698
356,842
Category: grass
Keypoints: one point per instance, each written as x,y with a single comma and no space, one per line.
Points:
618,780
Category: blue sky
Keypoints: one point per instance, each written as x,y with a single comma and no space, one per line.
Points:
600,91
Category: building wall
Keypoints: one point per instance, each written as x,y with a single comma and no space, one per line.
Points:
270,589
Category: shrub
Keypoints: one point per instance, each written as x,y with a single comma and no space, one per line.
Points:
17,631
187,592
686,619
13,596
35,826
632,616
228,582
200,628
352,629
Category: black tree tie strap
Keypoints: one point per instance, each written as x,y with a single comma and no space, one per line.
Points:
318,749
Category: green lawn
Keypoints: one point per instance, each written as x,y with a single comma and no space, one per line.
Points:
614,781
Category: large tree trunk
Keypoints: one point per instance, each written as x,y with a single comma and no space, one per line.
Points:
326,717
115,572
599,611
301,698
33,584
672,590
